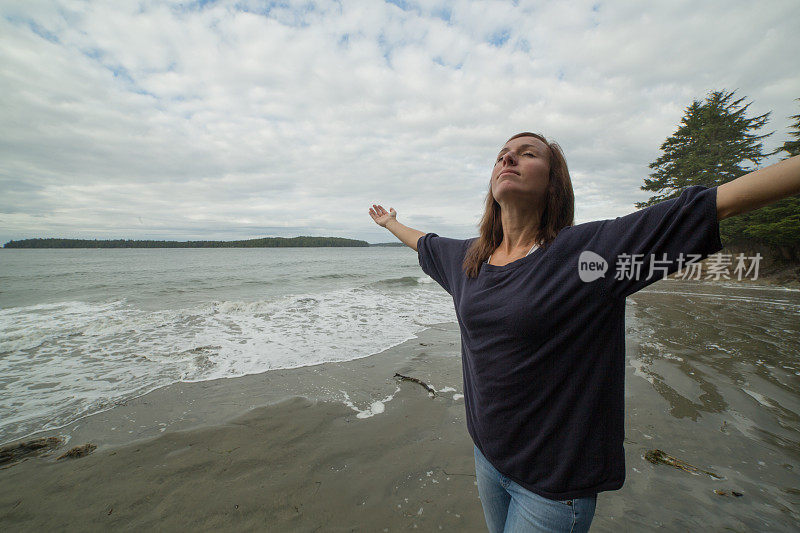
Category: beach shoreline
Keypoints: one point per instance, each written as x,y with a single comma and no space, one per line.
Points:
337,446
188,405
347,446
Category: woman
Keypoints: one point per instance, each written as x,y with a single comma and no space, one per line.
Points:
541,314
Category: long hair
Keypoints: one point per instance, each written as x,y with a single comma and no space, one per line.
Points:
559,211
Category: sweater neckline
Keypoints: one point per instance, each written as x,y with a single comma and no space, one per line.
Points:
513,264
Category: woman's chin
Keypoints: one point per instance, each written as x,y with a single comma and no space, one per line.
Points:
510,194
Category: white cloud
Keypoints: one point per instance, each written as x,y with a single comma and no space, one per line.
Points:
231,120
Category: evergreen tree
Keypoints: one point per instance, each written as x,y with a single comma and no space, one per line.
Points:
713,141
792,148
776,225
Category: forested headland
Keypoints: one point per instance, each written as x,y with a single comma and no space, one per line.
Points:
717,142
266,242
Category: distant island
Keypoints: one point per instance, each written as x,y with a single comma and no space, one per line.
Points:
266,242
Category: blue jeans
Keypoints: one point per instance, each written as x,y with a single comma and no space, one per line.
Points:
510,508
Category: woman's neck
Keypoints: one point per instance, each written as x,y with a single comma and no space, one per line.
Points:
520,228
508,258
521,242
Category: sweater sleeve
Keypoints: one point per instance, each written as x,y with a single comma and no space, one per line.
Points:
440,258
656,241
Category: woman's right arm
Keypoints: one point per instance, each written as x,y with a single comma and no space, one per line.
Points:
388,220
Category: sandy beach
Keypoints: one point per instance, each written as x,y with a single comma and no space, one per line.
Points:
283,451
272,451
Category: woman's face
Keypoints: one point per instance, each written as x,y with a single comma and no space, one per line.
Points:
521,170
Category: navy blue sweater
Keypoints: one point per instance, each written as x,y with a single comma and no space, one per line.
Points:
543,351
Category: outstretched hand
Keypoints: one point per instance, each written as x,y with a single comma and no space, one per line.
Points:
381,216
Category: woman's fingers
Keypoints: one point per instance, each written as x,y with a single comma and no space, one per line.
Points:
378,213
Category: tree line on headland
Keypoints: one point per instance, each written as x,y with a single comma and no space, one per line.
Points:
710,147
266,242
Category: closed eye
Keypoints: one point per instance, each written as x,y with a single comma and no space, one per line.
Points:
525,153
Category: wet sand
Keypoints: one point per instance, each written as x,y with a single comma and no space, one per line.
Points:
348,447
304,462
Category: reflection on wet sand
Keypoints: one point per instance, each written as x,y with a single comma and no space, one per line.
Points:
720,388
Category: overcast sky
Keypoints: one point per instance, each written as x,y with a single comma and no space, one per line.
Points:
242,119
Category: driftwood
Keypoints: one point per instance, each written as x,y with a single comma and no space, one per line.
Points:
20,450
725,493
658,456
78,451
415,380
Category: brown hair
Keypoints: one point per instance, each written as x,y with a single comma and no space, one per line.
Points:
559,210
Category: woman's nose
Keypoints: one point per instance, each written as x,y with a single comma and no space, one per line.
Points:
508,158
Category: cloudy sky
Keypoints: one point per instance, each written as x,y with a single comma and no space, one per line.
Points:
239,119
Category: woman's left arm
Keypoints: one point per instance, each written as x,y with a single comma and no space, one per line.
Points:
759,188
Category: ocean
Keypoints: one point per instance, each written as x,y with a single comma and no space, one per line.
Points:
82,330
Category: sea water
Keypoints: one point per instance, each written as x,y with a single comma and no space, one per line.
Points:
81,329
